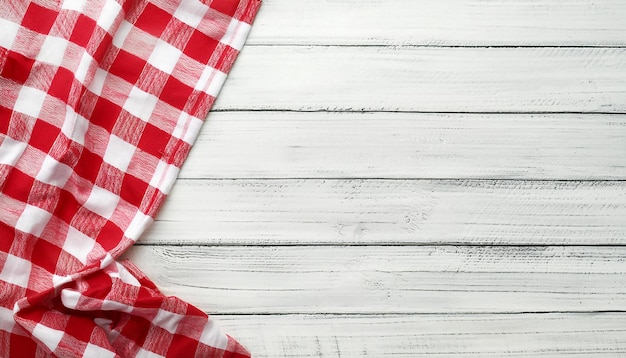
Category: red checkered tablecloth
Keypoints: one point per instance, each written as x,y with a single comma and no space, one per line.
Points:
100,102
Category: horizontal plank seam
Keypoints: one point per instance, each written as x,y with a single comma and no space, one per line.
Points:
402,244
223,110
499,313
478,180
409,45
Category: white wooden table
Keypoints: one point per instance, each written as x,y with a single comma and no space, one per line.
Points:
398,178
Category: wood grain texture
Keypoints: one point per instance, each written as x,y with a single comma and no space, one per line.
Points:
544,335
389,279
441,22
427,79
256,212
409,145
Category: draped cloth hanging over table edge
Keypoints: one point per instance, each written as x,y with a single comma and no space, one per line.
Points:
100,102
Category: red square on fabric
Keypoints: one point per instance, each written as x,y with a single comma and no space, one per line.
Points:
133,190
99,285
153,20
127,66
104,44
176,93
46,255
153,140
43,136
110,236
136,329
7,233
17,67
39,18
200,47
5,119
83,29
88,165
18,185
67,206
79,328
22,346
227,7
105,114
61,84
182,346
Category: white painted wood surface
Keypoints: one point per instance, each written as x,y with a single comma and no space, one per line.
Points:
526,335
392,279
411,178
409,145
386,212
441,22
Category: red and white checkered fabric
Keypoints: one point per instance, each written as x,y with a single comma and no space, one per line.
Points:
100,102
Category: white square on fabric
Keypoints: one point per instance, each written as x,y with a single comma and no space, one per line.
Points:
122,33
93,350
142,353
53,172
136,227
97,82
119,153
9,31
83,67
7,322
76,5
191,12
33,220
70,298
78,244
211,81
167,320
187,128
48,336
164,177
52,50
140,104
16,270
125,275
164,56
102,202
236,34
10,150
213,336
75,126
29,101
109,12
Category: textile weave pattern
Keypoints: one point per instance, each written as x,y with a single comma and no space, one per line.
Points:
100,103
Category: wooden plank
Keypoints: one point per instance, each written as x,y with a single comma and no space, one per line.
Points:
389,279
587,335
409,145
441,22
427,79
391,211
